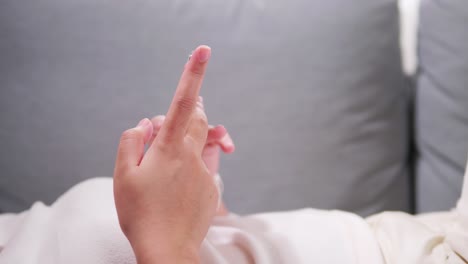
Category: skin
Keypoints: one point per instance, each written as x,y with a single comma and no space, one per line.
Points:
218,139
166,197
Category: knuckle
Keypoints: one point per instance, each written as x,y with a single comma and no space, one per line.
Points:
201,120
121,167
185,104
167,147
129,186
162,146
132,173
197,71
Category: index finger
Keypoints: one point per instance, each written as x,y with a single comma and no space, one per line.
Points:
186,96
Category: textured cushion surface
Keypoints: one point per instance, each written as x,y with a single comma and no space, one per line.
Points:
311,91
442,103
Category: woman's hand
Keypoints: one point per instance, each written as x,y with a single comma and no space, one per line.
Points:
218,138
166,197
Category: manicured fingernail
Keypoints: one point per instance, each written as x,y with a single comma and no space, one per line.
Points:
204,54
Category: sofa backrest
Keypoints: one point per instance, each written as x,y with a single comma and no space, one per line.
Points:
311,91
441,104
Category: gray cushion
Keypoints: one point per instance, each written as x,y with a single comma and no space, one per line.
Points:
442,103
311,91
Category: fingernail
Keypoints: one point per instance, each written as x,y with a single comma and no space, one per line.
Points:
146,125
159,122
200,98
204,54
143,122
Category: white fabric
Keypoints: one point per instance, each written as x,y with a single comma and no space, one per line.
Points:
82,227
462,205
428,238
432,238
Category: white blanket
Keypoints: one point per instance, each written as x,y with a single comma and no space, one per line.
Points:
82,227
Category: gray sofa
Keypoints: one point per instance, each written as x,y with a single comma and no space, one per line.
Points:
312,92
441,118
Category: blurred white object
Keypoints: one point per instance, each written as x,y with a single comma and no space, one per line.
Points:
409,17
462,204
82,227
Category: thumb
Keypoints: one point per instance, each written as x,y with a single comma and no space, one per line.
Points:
132,145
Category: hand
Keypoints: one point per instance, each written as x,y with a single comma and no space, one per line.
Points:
166,197
218,137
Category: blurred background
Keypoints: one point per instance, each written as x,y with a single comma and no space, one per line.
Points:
353,105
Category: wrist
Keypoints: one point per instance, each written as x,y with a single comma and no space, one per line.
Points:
163,253
167,259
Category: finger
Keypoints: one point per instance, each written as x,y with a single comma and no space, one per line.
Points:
227,144
198,129
219,135
186,96
157,124
222,209
215,134
200,103
220,186
132,145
